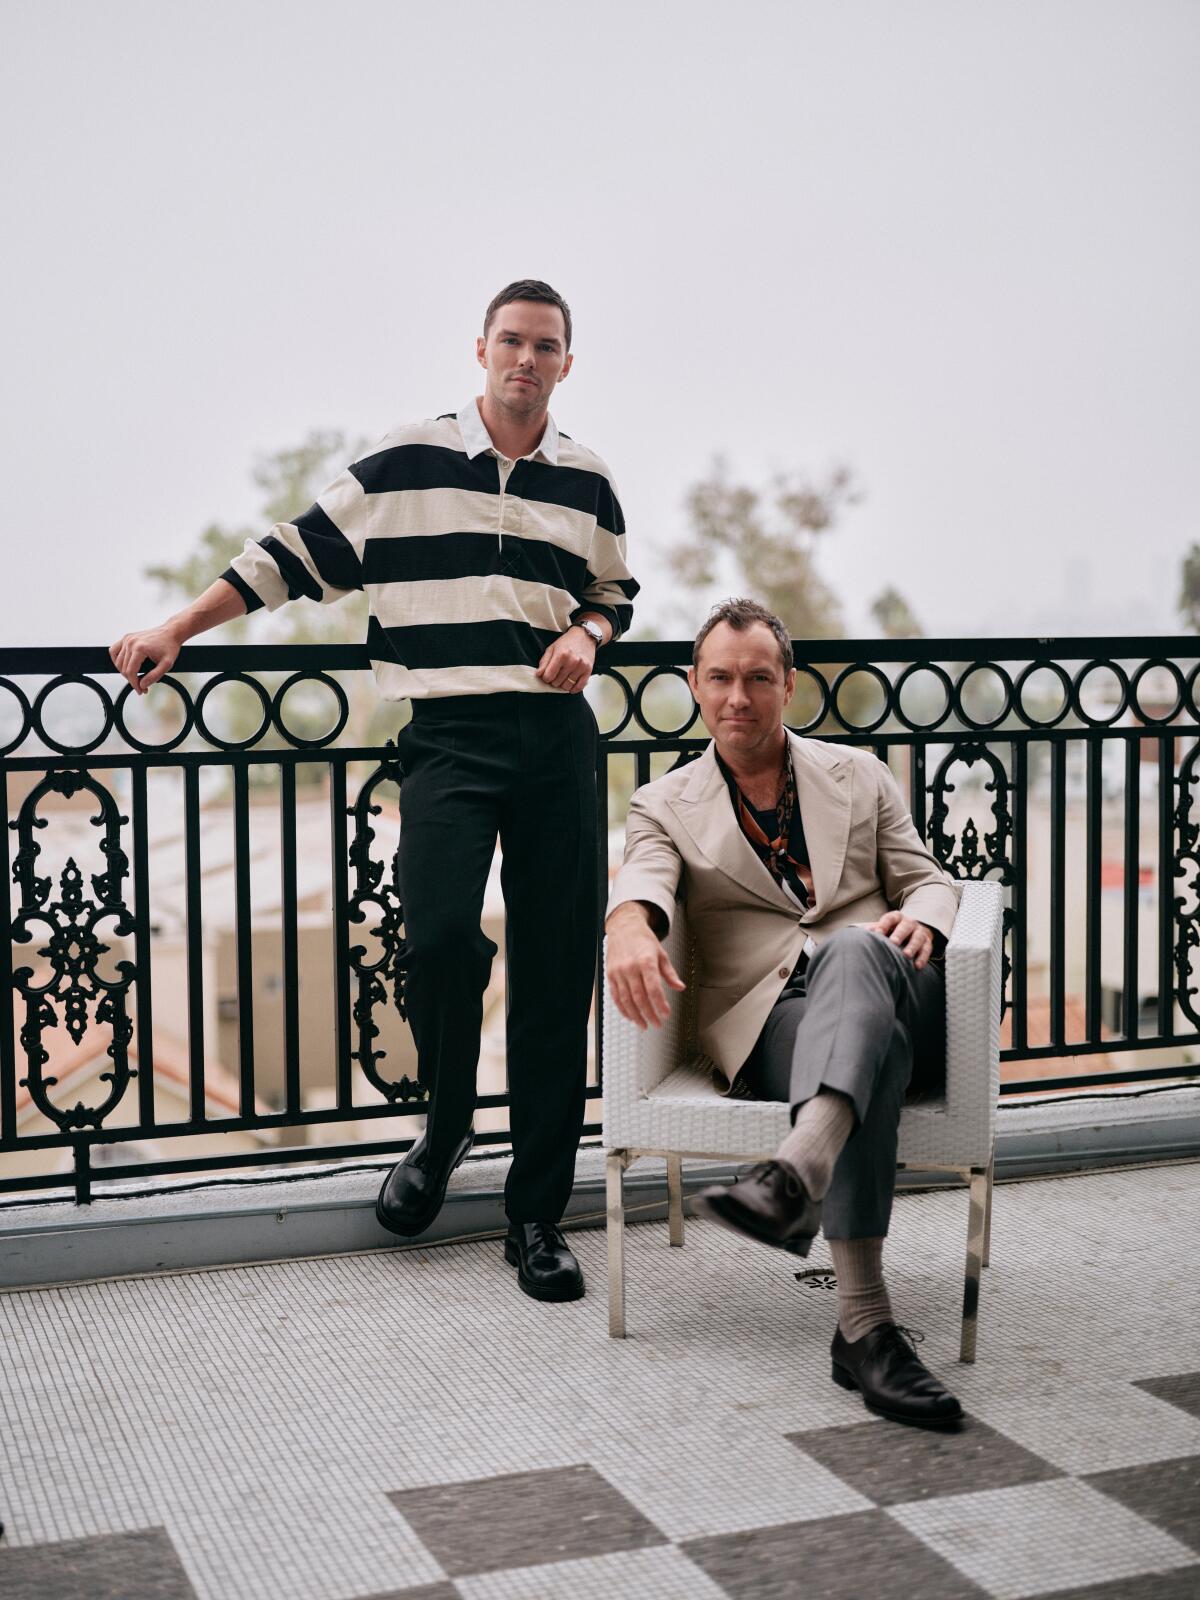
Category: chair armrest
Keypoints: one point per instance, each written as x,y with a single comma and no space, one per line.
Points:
974,957
636,1060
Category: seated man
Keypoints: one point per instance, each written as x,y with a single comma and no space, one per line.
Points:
818,915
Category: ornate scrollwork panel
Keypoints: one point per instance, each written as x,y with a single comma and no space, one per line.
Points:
1185,894
70,987
375,893
969,853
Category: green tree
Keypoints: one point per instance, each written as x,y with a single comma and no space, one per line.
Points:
1189,589
763,542
894,616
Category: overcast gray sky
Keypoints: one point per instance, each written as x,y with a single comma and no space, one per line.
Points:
955,245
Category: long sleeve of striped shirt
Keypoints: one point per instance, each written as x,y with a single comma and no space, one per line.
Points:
472,564
316,557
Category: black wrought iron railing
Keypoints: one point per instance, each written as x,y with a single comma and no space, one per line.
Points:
161,854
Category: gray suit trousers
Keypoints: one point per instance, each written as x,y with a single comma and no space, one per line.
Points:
856,1022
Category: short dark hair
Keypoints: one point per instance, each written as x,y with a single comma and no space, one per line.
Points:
742,614
529,289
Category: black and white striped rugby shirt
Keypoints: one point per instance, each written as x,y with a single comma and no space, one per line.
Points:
472,564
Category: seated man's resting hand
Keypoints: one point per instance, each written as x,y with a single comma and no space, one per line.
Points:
160,645
914,938
638,968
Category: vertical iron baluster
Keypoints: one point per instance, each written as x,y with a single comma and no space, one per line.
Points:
195,940
917,796
341,933
83,1170
141,904
1019,1011
1166,883
8,1053
642,766
288,935
1133,867
1092,904
245,959
602,761
1058,890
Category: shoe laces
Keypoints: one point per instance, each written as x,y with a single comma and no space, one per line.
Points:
767,1170
910,1338
546,1236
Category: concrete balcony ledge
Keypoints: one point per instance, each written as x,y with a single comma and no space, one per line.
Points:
331,1210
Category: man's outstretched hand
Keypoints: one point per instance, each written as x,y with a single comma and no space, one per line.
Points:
639,971
160,645
220,602
914,938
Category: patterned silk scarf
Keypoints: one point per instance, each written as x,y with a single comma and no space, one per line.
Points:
776,852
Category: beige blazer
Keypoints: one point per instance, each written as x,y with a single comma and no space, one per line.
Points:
683,843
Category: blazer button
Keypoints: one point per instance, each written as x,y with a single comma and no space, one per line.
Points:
783,971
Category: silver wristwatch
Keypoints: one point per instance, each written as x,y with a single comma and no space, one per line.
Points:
593,630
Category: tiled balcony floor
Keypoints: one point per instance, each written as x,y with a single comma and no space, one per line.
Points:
407,1424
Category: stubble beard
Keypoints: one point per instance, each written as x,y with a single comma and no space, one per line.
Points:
521,404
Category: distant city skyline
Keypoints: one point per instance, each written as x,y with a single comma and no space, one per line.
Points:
955,248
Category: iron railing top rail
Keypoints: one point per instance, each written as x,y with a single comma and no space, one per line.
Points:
39,659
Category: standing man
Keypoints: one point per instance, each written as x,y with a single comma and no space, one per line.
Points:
492,550
817,915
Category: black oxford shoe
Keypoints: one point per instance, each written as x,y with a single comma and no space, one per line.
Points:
770,1203
546,1269
414,1189
884,1367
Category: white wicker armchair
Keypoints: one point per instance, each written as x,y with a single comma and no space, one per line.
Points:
659,1098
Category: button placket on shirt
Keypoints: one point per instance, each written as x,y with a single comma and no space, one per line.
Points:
508,517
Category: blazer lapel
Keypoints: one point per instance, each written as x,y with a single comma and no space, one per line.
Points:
705,810
824,784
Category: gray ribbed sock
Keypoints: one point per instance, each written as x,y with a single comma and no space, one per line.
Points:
862,1294
822,1126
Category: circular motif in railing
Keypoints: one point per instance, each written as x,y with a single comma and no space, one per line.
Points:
809,705
226,680
851,718
296,681
66,681
601,695
154,746
1096,694
983,695
645,715
918,689
14,713
1033,690
1164,672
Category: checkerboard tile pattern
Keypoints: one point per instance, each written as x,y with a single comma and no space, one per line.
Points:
404,1424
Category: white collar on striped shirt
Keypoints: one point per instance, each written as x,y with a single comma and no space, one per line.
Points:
476,439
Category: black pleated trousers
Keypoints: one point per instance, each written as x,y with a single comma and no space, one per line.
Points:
520,768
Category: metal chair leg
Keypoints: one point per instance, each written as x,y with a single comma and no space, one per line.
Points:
614,1181
675,1199
976,1223
987,1219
